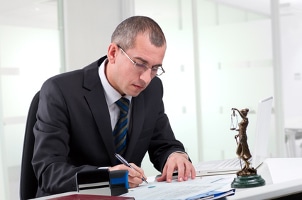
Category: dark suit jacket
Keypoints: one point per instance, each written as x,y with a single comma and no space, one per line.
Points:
73,131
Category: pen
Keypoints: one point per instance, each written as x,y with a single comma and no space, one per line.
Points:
120,158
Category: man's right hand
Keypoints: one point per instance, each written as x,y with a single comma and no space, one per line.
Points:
134,176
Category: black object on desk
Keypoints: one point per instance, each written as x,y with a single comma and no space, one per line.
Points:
118,182
112,183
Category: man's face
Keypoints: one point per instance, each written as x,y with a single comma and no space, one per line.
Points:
121,72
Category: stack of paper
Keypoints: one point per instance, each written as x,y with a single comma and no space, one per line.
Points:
211,187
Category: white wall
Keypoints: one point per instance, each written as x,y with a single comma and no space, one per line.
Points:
3,179
87,29
291,42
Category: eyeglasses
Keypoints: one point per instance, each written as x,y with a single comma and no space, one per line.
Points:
156,70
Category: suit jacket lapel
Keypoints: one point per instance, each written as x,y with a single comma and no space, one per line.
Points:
136,124
96,100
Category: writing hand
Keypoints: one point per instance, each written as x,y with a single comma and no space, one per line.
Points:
135,175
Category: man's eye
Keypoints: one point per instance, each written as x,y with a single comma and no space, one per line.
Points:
140,65
154,68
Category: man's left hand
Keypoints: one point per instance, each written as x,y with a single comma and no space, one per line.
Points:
177,162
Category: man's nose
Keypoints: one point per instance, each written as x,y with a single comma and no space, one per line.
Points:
146,76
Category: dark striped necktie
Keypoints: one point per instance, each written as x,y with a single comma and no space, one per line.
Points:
121,127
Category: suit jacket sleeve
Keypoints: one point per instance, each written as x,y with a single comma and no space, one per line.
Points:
73,131
156,133
53,167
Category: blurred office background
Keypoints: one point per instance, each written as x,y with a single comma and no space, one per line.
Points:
221,54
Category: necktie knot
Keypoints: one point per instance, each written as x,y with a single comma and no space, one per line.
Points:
123,104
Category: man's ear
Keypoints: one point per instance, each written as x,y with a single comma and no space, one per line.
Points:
112,52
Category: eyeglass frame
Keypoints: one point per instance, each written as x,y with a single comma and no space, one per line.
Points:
143,66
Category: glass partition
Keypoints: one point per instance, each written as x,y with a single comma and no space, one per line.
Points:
236,70
217,52
29,54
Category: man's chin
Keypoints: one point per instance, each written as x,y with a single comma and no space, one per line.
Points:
134,93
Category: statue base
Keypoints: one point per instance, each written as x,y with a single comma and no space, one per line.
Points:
248,181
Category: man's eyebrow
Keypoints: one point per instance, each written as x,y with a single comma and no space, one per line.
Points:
146,62
142,60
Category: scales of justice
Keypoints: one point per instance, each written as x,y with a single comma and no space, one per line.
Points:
246,177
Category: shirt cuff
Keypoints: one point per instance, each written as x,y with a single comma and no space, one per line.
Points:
103,168
181,152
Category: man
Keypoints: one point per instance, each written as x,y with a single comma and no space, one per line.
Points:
77,114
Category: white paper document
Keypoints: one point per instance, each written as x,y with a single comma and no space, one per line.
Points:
218,167
277,168
198,188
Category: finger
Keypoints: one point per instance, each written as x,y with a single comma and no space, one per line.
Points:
118,167
132,185
189,171
140,170
134,182
162,177
169,172
181,172
192,171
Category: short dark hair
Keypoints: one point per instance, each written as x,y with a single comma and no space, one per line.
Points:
126,32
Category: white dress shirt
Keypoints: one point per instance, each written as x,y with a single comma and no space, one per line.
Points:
111,96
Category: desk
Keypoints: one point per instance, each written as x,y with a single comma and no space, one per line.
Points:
282,176
284,185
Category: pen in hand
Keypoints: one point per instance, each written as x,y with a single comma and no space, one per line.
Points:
120,158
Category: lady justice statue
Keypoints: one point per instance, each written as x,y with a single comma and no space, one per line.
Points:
247,176
242,146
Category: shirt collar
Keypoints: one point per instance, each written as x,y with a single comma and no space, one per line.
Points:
111,94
